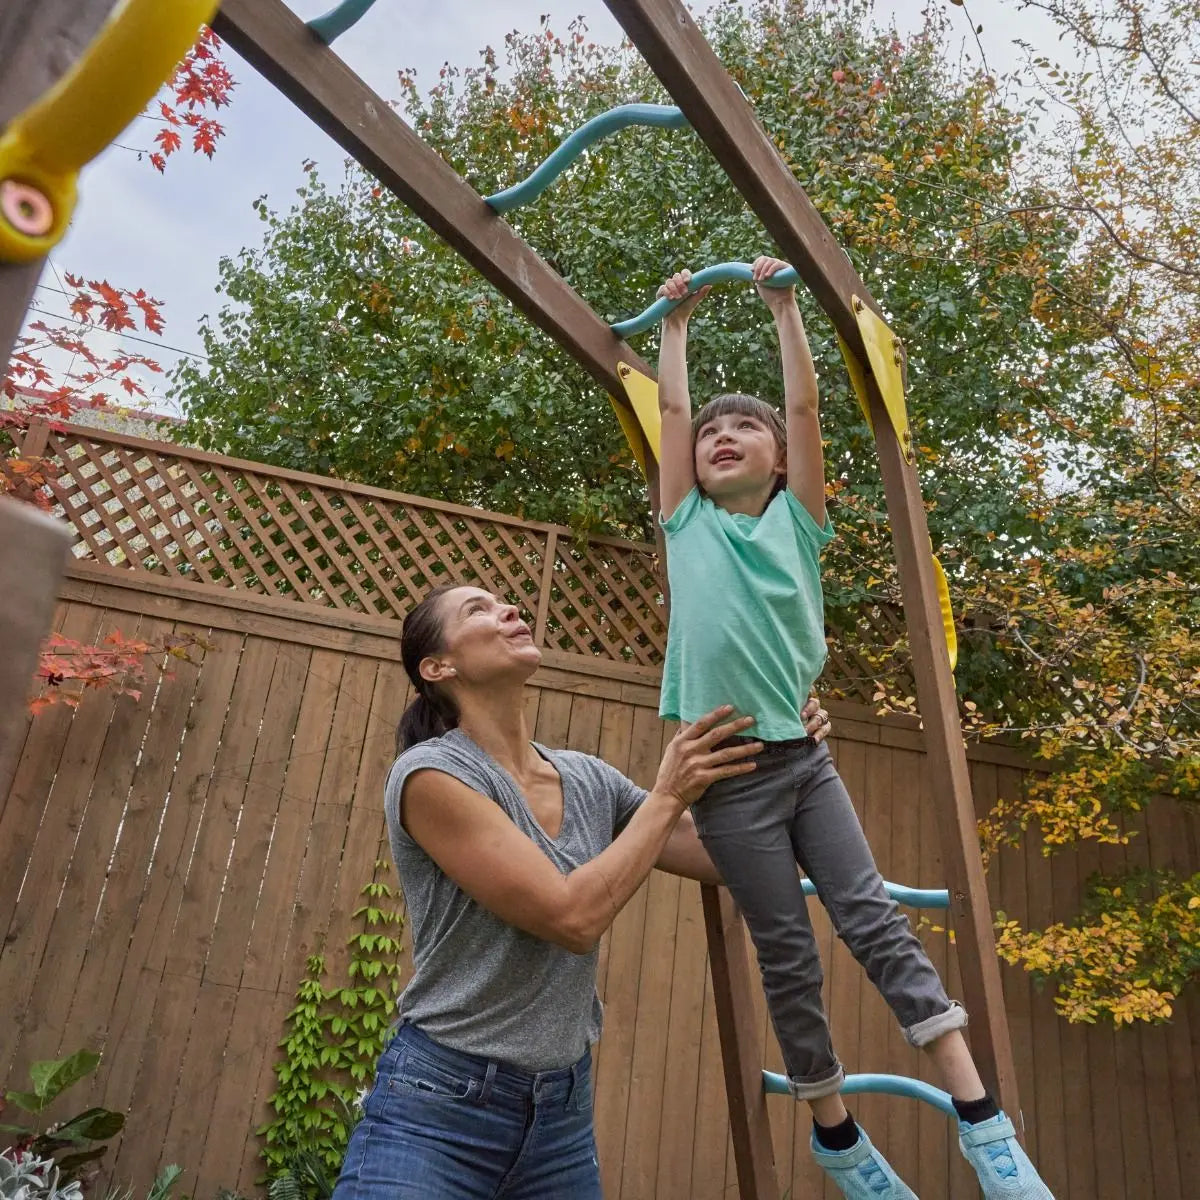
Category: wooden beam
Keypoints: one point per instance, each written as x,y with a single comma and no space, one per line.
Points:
39,40
278,44
676,50
33,554
753,1153
679,55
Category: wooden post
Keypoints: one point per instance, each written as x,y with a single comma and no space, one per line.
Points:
33,552
753,1153
39,40
676,50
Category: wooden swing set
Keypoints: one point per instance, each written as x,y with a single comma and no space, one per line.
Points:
54,121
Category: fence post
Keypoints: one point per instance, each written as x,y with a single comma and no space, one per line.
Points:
543,607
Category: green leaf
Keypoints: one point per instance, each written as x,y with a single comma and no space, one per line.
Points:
51,1078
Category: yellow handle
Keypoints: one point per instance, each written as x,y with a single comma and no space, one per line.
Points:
43,149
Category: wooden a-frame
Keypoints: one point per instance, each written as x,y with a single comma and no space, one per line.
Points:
269,36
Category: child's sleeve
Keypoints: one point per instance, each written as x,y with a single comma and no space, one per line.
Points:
687,509
819,536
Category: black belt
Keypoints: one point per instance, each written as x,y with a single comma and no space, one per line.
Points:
772,747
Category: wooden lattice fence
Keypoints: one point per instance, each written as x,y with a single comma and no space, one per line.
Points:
183,515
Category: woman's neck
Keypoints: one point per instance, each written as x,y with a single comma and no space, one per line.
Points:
496,723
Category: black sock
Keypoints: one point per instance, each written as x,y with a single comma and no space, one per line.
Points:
842,1136
974,1111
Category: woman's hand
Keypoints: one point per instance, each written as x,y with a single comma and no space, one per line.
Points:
676,288
775,298
816,720
691,763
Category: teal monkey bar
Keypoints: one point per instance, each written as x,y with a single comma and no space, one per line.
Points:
660,116
887,1085
337,20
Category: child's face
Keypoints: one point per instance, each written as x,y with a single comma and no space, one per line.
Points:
737,455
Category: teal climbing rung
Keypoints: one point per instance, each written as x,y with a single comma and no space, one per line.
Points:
885,1085
661,116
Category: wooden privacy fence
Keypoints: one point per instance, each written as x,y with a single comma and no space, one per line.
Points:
169,864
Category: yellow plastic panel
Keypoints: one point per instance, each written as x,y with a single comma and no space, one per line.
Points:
643,398
43,149
858,381
633,433
943,591
883,353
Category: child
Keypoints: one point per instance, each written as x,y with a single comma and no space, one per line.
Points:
743,509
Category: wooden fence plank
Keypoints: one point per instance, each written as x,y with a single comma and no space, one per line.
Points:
91,1018
75,933
301,872
264,797
29,792
143,1015
221,788
621,992
684,1023
648,1068
49,865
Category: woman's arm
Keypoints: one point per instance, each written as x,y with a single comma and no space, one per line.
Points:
478,847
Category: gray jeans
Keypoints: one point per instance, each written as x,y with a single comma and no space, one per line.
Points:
793,809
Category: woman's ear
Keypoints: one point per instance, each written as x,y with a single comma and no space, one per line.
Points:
435,670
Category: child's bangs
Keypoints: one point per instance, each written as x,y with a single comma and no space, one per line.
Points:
740,404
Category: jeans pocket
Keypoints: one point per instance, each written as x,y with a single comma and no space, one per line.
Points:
417,1075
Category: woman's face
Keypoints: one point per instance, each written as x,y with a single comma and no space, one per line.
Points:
484,639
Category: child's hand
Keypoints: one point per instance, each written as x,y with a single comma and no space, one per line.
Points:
676,288
774,298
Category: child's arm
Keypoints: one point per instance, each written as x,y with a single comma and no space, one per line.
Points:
805,457
677,470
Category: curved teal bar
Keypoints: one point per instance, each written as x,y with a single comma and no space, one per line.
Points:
913,897
663,116
885,1085
337,20
727,272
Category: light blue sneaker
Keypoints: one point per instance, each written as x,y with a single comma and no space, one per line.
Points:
1004,1169
861,1173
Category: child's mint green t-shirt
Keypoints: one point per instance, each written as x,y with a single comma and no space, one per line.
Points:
747,615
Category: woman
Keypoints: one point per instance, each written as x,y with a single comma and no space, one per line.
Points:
514,860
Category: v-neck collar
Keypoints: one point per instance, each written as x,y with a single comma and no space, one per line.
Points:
546,756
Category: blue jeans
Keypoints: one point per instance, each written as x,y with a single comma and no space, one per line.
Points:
443,1125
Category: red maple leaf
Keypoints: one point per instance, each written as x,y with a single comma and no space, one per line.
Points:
205,137
169,140
72,280
159,163
168,113
151,317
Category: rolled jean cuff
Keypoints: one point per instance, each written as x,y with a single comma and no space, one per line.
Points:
814,1087
932,1028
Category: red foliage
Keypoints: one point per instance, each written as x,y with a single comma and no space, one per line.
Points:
68,669
201,81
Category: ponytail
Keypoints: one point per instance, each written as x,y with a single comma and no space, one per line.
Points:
431,712
428,716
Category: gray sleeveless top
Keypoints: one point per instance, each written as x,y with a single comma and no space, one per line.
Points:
479,984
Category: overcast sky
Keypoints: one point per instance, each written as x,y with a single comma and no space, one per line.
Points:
168,233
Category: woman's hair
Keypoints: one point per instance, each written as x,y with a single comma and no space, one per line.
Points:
748,406
432,712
